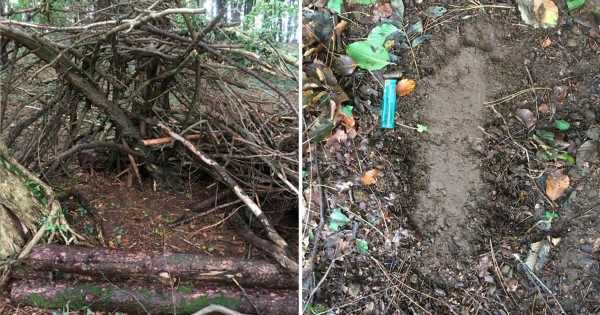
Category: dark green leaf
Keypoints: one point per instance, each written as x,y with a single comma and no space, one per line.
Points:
435,11
546,135
573,5
568,158
337,220
362,246
562,125
551,215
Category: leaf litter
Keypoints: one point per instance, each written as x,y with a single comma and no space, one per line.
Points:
547,140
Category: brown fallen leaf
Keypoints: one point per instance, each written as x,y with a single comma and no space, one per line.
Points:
382,10
556,185
370,177
544,108
546,42
405,87
341,27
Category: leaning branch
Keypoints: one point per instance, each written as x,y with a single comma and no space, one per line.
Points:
271,232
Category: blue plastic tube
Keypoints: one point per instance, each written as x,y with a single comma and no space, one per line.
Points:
388,108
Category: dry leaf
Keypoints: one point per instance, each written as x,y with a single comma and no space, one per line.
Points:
370,177
382,10
405,87
546,42
556,185
526,116
544,108
341,27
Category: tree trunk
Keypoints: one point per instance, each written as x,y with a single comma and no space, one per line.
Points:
118,264
140,300
23,204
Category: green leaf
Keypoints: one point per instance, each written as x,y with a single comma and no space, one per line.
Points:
435,11
398,6
364,2
320,130
362,246
551,215
337,219
335,6
573,5
566,157
562,125
546,135
378,34
367,56
422,128
347,110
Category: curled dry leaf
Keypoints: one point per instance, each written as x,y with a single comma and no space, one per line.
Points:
544,108
340,27
527,117
405,87
546,42
370,177
344,65
556,185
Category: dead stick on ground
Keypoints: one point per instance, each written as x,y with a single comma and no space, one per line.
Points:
134,167
166,140
271,232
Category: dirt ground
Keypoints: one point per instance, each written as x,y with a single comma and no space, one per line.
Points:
453,206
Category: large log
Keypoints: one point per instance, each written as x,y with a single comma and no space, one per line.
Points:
140,300
111,263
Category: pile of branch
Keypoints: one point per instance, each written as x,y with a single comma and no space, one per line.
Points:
130,80
155,283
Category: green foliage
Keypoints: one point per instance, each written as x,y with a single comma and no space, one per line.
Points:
266,19
335,6
337,219
562,125
368,56
362,246
573,5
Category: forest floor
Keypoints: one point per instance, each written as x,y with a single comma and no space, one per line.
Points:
438,222
112,214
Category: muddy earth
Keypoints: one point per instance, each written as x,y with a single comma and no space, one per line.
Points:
456,210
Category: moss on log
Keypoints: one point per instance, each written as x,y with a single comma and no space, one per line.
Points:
141,300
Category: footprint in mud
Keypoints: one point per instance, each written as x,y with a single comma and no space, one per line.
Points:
454,109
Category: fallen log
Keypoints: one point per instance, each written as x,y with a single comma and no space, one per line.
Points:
116,264
141,300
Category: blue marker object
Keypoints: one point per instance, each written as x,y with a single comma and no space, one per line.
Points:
388,108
